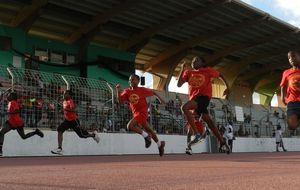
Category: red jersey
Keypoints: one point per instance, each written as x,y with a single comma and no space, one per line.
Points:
199,81
291,79
137,100
68,115
14,120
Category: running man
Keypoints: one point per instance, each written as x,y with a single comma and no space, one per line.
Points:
71,122
200,93
15,122
290,90
136,96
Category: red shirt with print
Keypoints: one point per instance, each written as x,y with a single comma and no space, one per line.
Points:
199,81
14,119
69,115
291,79
137,100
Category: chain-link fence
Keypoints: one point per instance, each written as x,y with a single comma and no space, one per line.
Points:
40,97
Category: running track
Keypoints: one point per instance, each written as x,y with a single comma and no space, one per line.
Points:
253,171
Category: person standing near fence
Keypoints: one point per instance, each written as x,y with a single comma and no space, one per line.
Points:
278,137
290,90
200,93
71,122
136,96
15,122
228,134
38,108
51,110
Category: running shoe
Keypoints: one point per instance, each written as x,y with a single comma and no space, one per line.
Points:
188,151
147,141
96,137
162,148
57,151
39,133
196,139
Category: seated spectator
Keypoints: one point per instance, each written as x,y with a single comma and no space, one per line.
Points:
170,106
247,118
108,125
156,118
247,133
276,114
241,131
178,105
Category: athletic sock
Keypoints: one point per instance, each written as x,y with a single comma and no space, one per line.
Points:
144,134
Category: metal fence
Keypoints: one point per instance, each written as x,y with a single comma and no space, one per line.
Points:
40,94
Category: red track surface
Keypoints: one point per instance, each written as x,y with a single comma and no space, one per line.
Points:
202,171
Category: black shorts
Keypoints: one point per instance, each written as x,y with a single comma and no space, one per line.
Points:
202,104
75,125
293,108
14,128
65,125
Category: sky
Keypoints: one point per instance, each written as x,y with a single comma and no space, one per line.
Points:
285,10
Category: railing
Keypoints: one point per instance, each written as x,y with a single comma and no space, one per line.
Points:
40,94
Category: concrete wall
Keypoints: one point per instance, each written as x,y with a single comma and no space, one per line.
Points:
110,144
264,144
241,95
117,144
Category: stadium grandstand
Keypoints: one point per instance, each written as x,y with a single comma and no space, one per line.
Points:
47,46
